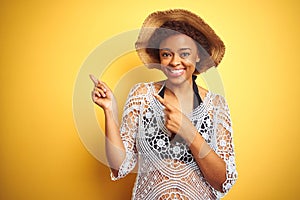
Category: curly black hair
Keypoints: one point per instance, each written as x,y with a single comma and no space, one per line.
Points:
170,28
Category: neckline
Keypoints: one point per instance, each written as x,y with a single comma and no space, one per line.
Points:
197,100
194,110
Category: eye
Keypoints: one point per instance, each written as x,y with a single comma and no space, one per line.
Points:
185,54
165,54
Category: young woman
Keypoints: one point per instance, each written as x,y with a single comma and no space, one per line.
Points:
179,133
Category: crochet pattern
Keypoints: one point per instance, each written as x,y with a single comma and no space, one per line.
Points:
166,167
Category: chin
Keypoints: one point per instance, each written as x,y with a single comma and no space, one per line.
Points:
177,80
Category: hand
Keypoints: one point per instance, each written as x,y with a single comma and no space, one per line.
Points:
176,122
102,95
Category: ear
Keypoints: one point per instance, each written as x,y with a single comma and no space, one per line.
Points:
197,58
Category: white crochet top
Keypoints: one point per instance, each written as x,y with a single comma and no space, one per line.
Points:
166,167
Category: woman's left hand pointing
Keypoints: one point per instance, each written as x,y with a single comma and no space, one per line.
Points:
176,122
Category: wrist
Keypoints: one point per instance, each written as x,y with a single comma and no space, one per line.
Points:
108,112
111,114
191,136
199,146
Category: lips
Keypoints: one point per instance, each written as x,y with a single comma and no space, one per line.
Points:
175,72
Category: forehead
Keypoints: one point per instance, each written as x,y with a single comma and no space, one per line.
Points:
178,41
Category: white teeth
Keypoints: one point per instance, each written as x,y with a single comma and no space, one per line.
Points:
176,71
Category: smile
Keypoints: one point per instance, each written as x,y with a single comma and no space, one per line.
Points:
175,72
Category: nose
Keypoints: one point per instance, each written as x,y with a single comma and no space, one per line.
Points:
175,60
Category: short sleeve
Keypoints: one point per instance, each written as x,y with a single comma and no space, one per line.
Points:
224,142
128,130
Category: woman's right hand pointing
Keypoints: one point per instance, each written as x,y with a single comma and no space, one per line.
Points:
102,95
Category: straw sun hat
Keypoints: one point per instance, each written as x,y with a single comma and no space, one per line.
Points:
214,46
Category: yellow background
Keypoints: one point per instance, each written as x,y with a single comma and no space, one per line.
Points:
43,46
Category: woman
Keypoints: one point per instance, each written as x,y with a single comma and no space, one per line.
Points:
179,132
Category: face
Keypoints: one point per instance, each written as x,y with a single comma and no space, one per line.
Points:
178,56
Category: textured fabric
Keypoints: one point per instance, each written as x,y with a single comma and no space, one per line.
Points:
167,168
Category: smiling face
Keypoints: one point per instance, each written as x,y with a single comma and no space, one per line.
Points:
178,56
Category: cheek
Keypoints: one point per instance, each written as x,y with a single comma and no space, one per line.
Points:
191,63
190,66
164,61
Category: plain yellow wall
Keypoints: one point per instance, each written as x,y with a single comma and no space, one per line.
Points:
43,46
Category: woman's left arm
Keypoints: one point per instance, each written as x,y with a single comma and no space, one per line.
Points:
218,164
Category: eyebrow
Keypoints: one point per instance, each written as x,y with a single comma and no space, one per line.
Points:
166,49
181,49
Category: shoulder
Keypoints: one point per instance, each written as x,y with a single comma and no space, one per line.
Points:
202,92
207,94
215,98
145,87
141,88
219,103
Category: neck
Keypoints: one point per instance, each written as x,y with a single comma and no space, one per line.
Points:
181,89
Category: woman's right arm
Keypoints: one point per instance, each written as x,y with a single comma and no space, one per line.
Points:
115,151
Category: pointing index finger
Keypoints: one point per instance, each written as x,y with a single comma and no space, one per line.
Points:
160,99
94,79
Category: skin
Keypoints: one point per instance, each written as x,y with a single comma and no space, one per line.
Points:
179,53
115,150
